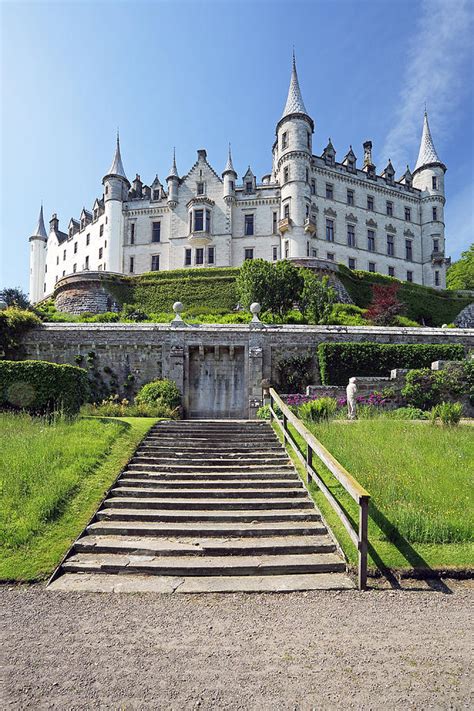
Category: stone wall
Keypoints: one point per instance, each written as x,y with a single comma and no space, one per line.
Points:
86,292
220,360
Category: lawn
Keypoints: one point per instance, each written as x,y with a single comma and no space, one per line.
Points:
420,478
52,478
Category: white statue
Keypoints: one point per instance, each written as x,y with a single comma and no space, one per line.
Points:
351,398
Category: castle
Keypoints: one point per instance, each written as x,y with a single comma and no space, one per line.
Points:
310,208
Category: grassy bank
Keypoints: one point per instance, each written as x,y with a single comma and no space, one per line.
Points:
52,477
420,478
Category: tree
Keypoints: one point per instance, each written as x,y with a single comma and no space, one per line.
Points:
385,304
276,287
461,273
15,297
317,297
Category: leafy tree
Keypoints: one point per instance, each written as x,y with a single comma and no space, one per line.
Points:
461,273
276,287
385,304
14,296
317,297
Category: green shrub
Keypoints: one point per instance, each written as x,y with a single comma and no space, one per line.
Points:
425,388
405,322
347,315
317,297
295,372
316,410
13,324
164,392
340,361
407,413
114,407
276,287
42,388
448,412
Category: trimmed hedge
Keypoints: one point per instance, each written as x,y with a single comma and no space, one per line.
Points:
340,361
42,388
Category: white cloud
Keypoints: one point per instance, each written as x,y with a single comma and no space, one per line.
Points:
438,49
459,216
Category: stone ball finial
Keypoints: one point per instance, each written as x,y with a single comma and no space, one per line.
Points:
255,308
3,305
178,307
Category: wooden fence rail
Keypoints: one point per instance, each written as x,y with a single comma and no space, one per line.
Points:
314,448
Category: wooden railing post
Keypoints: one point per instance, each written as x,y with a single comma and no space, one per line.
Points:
271,408
285,423
309,461
363,539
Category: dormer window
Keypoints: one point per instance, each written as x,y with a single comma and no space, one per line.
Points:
249,187
329,160
156,194
200,188
351,165
284,141
96,213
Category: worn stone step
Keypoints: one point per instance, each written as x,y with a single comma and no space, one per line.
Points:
221,437
143,545
217,529
154,475
163,515
211,453
175,444
205,468
216,484
159,492
207,461
102,582
207,504
205,565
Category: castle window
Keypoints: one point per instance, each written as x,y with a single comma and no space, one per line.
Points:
434,182
200,189
249,187
274,253
100,252
389,208
330,230
436,278
156,194
156,232
313,187
286,210
86,263
99,268
371,266
231,185
106,189
351,238
45,268
307,175
330,256
308,140
409,276
407,214
208,220
307,210
83,223
64,273
248,254
131,264
371,240
132,233
64,256
96,213
187,257
57,260
211,254
390,246
408,250
101,230
249,225
198,220
391,271
104,266
329,160
329,191
350,197
200,255
44,287
284,141
155,263
274,222
314,253
75,247
286,174
88,239
105,243
370,202
74,268
287,249
351,262
436,245
435,213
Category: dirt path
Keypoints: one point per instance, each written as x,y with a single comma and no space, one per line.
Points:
318,650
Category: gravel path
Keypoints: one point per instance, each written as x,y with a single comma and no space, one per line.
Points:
318,650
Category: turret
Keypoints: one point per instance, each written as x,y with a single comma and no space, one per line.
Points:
116,187
38,242
428,177
229,177
173,183
293,151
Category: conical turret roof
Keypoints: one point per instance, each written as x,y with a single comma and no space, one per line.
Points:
40,230
229,167
173,172
427,153
294,102
117,166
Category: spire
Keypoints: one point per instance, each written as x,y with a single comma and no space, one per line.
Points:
173,173
427,152
229,168
117,166
294,102
40,230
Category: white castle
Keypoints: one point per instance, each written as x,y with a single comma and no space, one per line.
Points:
310,208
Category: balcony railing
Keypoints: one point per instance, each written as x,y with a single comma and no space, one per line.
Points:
284,225
310,225
199,239
437,256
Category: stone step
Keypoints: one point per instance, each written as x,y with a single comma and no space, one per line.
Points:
217,529
188,461
158,492
211,438
204,468
215,484
119,583
210,504
176,444
242,516
155,475
205,565
143,545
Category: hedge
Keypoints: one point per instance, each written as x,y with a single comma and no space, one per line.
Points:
42,388
340,361
13,324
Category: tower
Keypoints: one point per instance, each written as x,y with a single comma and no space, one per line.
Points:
38,242
292,167
116,187
428,177
173,182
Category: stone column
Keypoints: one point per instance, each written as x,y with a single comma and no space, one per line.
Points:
255,371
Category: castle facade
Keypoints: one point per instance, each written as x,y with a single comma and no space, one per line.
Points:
309,207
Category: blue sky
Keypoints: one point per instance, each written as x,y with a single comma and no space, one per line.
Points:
200,74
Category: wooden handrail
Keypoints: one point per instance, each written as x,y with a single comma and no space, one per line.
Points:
314,447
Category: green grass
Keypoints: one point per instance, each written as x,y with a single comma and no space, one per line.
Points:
52,478
420,478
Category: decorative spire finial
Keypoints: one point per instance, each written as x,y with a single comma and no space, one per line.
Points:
229,167
294,102
117,166
173,173
40,230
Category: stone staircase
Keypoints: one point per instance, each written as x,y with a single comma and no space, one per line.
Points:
206,506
